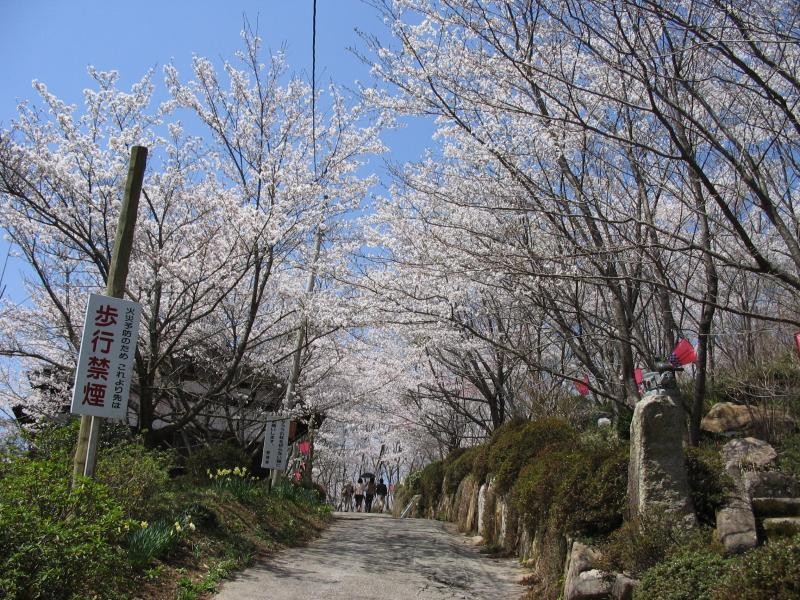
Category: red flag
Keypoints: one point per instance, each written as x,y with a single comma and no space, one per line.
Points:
638,376
683,354
583,386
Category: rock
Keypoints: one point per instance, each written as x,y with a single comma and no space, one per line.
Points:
748,454
486,503
657,470
736,522
505,519
603,422
756,421
623,587
736,526
776,507
471,523
781,527
725,417
464,503
773,484
524,542
582,581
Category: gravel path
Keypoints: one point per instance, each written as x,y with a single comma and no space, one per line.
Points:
365,556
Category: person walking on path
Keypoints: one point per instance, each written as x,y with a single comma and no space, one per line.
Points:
347,497
359,494
370,493
381,490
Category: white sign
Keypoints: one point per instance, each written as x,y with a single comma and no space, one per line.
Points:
276,443
105,362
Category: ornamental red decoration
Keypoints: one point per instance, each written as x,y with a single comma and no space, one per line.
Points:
797,342
683,354
583,386
304,447
638,376
297,476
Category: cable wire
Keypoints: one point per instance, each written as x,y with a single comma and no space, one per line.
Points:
314,85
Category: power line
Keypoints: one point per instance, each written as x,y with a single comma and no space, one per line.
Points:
314,86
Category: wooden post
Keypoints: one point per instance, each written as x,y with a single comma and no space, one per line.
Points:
86,452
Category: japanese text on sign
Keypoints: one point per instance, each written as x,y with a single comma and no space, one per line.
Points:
276,443
105,362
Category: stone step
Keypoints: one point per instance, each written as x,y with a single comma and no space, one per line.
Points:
776,507
778,527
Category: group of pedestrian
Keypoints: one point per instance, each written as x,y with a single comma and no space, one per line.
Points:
364,494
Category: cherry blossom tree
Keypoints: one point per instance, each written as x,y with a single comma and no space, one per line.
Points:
235,190
617,162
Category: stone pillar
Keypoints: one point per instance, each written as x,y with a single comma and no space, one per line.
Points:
657,477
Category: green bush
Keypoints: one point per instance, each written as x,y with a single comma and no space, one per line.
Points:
580,486
515,444
480,463
430,485
708,483
771,572
57,542
686,576
298,494
55,441
412,482
593,496
789,455
458,466
225,455
643,542
538,483
134,476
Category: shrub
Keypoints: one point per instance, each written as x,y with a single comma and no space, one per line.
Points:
298,494
57,542
789,455
480,463
55,442
686,576
134,475
708,483
646,540
771,572
581,487
430,485
514,445
537,484
592,500
458,466
412,482
225,455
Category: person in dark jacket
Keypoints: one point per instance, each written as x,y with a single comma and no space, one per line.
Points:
370,494
382,491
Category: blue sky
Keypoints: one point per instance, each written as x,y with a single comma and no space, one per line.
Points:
55,40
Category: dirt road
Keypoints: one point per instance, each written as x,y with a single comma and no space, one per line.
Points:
375,556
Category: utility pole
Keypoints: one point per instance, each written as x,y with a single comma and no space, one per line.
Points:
294,376
86,451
